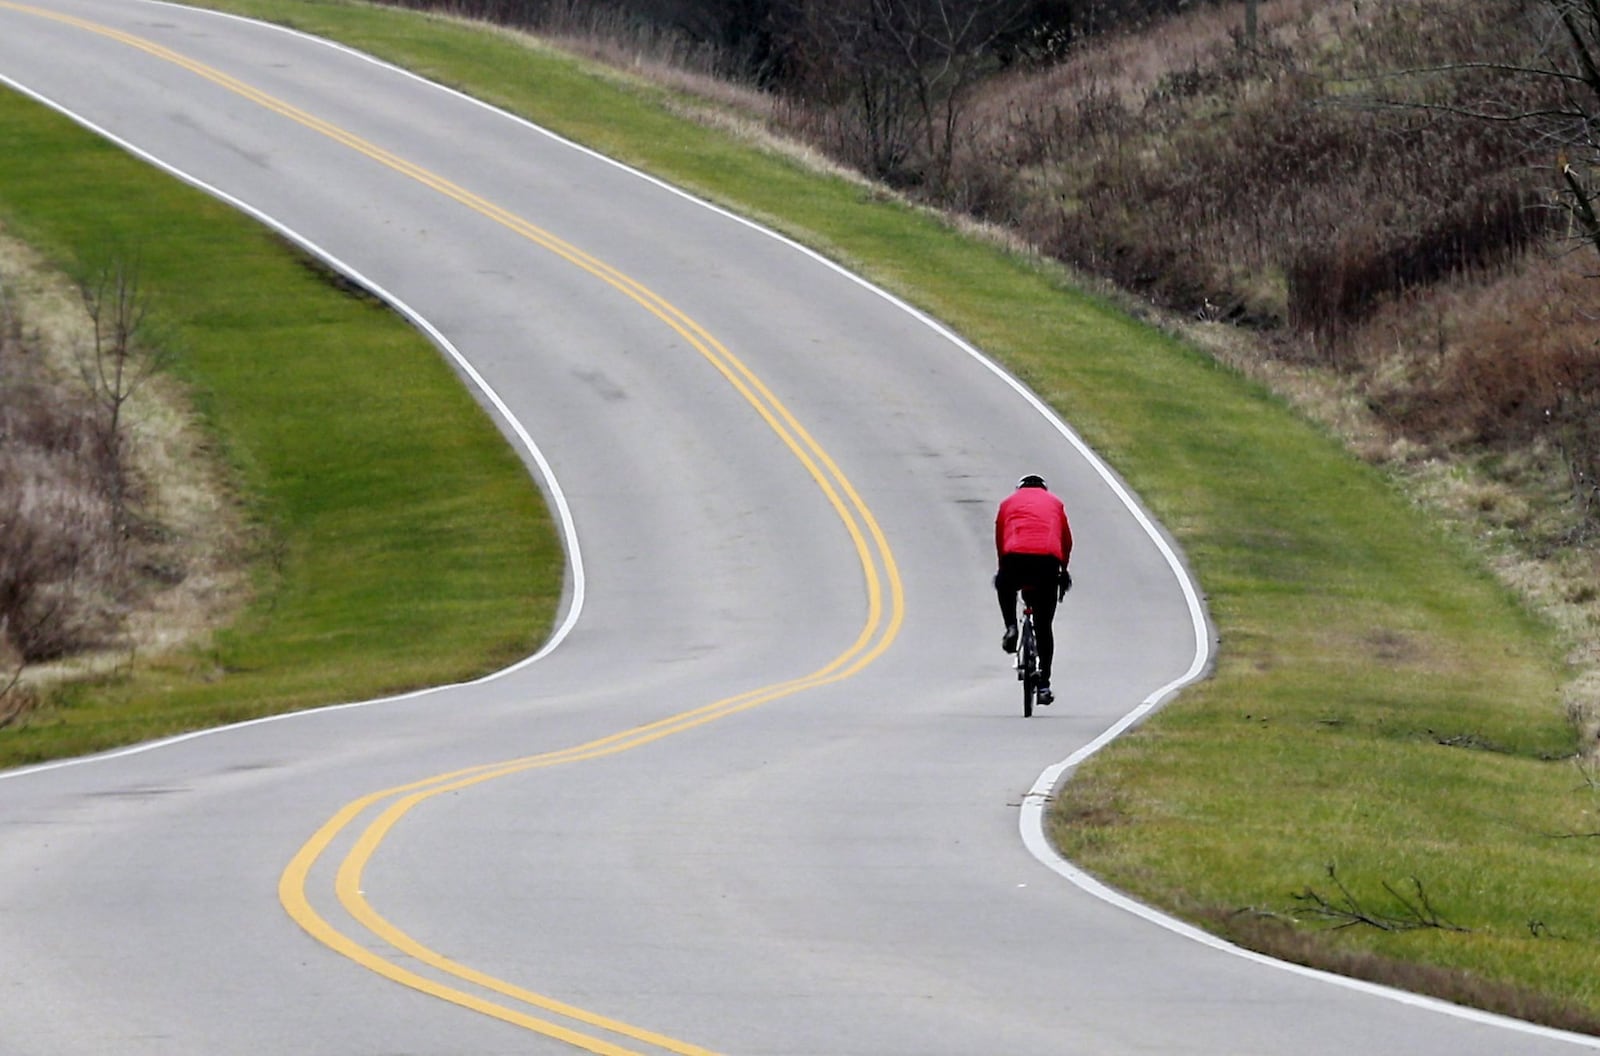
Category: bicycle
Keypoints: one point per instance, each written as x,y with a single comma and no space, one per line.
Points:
1027,659
1027,662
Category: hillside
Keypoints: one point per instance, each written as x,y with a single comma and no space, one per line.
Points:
1338,206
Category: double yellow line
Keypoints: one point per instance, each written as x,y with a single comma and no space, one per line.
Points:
390,805
885,613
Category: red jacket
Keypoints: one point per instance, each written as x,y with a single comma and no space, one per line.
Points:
1033,521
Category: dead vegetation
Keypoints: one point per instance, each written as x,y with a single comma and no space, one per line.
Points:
118,535
63,568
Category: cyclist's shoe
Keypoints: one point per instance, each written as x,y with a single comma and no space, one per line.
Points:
1043,695
1008,641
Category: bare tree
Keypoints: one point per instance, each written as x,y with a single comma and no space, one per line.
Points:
1539,79
123,356
740,32
63,564
1580,118
903,69
837,61
945,47
1553,92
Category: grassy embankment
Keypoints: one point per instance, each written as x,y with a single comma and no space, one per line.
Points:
1380,706
402,543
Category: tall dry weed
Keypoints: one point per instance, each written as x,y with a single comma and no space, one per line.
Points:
1257,183
1508,364
62,561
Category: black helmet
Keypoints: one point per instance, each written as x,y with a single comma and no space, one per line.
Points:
1032,480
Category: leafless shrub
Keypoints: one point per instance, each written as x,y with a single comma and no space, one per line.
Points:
16,699
1335,283
611,33
61,565
123,355
1514,369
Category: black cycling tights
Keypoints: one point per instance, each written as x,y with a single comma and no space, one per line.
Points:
1036,576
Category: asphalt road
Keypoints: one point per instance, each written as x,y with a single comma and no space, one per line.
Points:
767,792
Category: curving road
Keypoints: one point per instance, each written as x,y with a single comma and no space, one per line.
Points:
761,794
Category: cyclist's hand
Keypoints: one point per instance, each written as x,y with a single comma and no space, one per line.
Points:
1064,585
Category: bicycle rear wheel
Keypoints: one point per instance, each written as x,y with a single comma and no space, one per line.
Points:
1028,668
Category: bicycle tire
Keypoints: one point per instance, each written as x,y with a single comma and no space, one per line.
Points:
1028,665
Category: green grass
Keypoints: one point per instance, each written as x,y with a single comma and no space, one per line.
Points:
1379,705
404,544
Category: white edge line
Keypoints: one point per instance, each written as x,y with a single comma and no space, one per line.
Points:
547,477
1031,817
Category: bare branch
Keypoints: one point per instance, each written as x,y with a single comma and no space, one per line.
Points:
1347,911
124,356
14,704
1582,205
1568,123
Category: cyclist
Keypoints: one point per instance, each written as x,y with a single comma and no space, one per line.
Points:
1033,544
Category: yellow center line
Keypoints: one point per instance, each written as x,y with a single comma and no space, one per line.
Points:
885,614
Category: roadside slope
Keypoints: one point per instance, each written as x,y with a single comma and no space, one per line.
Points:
404,543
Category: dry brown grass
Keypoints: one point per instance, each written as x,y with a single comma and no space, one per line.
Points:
62,567
1131,66
77,594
